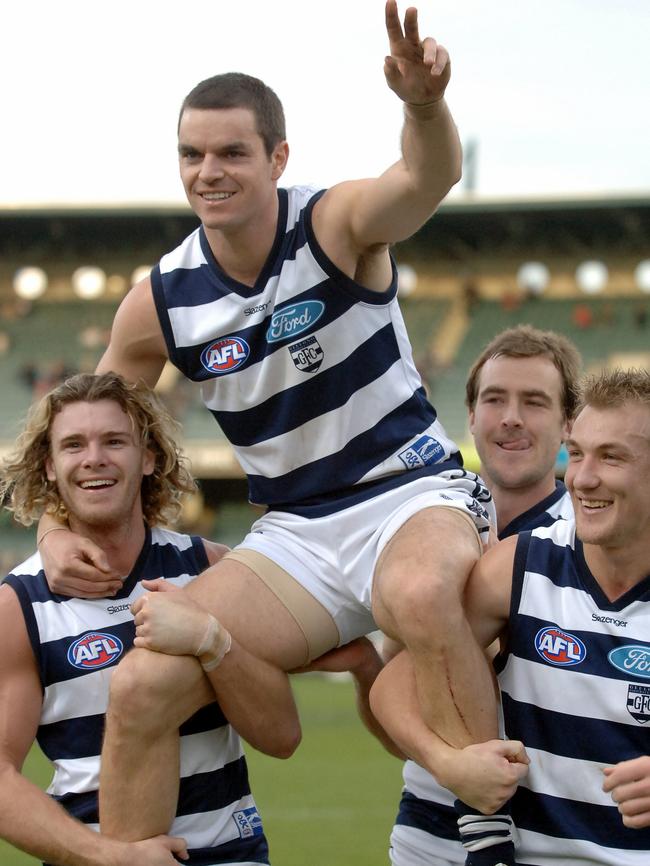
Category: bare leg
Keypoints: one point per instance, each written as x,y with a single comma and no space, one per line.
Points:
128,811
152,694
417,598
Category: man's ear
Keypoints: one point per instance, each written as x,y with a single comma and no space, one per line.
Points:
49,469
148,462
279,159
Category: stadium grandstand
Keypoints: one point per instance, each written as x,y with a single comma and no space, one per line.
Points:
579,266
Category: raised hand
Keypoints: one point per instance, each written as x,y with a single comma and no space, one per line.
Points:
418,71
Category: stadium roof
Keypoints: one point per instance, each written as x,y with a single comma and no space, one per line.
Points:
463,228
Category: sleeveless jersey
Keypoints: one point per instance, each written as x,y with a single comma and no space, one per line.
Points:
309,375
426,805
575,683
76,643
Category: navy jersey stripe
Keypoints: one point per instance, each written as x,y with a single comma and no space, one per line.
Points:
329,390
433,818
574,737
82,737
253,849
201,792
567,819
361,452
536,516
336,304
204,792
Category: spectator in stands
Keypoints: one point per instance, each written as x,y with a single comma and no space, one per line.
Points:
607,314
102,452
582,316
641,315
510,299
471,296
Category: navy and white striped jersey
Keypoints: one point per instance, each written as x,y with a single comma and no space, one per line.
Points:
556,506
426,806
575,684
77,643
309,374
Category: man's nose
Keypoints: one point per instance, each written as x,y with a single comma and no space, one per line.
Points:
211,168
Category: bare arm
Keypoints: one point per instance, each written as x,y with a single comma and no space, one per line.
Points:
368,215
137,347
254,695
488,592
484,776
30,819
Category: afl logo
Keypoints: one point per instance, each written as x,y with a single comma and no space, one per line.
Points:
225,355
95,649
559,647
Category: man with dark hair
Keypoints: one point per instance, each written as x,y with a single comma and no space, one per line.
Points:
101,453
283,306
236,90
568,603
521,395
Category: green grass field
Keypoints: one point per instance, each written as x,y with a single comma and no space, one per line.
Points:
331,804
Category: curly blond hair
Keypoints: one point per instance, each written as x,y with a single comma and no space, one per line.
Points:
24,486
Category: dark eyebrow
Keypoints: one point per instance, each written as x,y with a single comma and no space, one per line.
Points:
528,392
187,149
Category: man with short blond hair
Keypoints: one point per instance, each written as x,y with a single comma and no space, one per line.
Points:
570,605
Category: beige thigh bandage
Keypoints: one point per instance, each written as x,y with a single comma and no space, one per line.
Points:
314,620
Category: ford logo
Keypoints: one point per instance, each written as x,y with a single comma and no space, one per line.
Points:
631,659
291,321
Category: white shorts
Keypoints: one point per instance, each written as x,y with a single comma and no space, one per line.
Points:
334,557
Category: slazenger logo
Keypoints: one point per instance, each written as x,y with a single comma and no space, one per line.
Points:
423,452
248,822
291,321
95,649
559,647
631,659
225,355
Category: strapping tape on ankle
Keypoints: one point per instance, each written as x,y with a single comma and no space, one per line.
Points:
483,831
